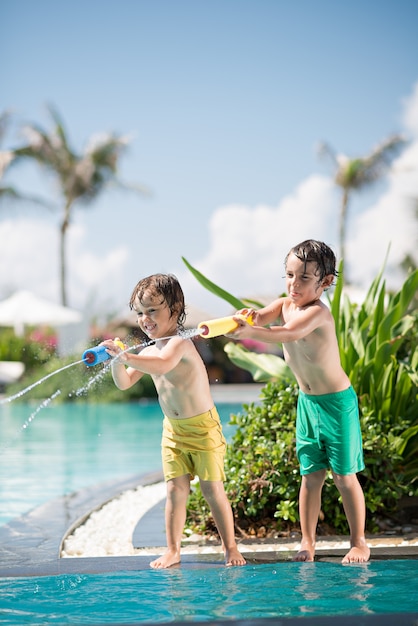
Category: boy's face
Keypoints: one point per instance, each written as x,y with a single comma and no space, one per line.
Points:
302,281
154,317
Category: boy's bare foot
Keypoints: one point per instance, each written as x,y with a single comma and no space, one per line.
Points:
171,557
233,557
304,555
357,554
306,552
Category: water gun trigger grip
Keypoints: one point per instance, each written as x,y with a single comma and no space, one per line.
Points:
119,343
246,318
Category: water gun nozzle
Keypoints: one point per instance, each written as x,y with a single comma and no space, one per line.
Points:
98,354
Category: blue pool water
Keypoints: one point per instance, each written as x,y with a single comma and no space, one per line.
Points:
65,448
68,447
217,593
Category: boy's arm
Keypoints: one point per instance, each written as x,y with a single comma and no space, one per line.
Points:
122,377
301,325
139,364
266,315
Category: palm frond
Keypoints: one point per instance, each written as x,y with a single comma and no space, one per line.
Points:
361,171
4,123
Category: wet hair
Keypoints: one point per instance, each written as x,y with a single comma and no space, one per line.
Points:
317,252
168,287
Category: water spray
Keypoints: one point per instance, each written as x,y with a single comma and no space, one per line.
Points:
208,329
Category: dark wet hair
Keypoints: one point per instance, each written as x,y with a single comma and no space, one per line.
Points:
167,286
317,252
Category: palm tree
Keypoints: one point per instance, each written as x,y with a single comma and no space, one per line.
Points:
81,177
9,158
6,158
360,172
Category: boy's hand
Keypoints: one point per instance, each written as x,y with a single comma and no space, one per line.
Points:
245,320
250,315
115,348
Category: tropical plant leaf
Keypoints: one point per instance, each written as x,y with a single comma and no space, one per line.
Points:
215,289
263,367
406,436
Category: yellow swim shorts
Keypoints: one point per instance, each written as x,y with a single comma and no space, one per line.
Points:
195,446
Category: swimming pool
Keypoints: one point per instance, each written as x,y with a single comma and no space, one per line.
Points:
68,447
251,593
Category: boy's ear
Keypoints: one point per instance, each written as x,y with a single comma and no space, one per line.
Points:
327,281
176,310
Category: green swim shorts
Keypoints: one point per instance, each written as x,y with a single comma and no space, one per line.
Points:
328,433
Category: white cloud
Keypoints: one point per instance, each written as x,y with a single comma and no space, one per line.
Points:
410,117
28,251
391,221
248,245
29,254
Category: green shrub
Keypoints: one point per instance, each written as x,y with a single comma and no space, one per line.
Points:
261,466
26,349
378,348
263,472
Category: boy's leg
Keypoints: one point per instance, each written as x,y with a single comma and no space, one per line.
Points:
309,507
355,510
215,496
178,490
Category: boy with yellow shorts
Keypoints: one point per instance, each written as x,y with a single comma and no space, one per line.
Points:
192,443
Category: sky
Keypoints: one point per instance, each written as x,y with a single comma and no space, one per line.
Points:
224,103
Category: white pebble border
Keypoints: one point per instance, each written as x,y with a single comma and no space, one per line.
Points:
109,530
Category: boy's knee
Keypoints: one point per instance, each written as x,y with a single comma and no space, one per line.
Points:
211,489
178,487
315,479
344,481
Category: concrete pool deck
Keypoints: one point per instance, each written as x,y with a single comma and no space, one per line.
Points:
31,545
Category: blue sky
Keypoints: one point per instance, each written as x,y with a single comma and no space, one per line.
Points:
225,103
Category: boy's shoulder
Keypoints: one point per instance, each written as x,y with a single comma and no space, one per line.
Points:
183,344
315,308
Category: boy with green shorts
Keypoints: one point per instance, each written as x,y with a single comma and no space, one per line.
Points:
192,441
327,426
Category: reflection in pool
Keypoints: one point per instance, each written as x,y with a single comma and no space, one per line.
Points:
217,593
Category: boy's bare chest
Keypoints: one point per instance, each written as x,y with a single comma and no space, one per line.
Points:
301,350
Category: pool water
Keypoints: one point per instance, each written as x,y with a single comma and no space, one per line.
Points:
217,593
48,452
68,447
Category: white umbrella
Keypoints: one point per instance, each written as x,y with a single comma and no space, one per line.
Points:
25,308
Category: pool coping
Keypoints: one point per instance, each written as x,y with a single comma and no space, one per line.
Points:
30,545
